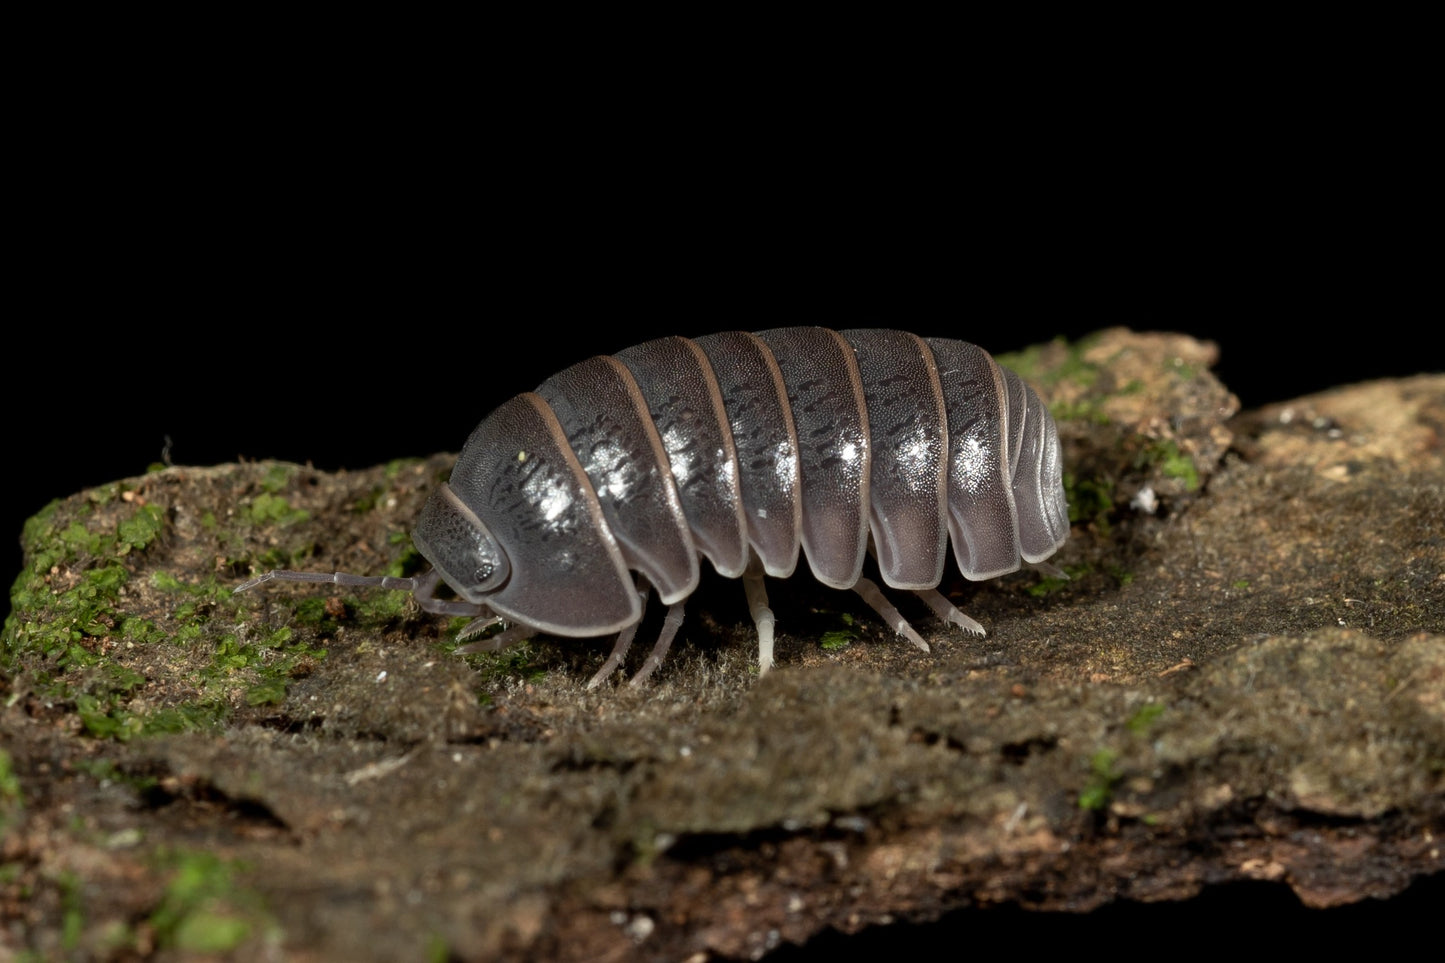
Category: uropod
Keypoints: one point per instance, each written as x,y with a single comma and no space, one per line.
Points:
570,505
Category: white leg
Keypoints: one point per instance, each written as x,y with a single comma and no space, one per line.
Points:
498,642
619,652
624,638
946,611
670,624
757,594
875,599
477,627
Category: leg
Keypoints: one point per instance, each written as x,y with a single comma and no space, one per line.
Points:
762,615
946,611
477,627
670,624
422,587
498,642
619,652
624,638
875,599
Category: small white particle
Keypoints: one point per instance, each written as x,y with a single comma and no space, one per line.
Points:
640,928
1015,817
381,676
1145,501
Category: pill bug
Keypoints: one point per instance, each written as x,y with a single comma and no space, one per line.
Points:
571,504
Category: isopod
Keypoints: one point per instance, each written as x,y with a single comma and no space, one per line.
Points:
571,504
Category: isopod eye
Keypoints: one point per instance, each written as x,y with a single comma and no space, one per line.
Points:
460,547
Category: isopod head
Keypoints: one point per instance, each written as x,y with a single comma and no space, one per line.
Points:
518,484
460,547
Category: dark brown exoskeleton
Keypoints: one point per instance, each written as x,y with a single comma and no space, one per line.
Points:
741,448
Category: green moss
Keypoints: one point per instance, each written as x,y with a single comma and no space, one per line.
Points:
81,619
72,912
396,466
106,718
105,770
1048,584
104,494
409,562
1085,409
380,607
140,631
1099,788
1144,718
513,662
231,654
264,667
205,909
59,619
216,591
271,691
277,478
12,801
437,950
81,540
837,639
167,582
1172,462
99,693
139,530
269,509
311,612
1090,501
205,716
1032,365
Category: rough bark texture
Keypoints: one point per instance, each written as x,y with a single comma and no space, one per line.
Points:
1243,680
